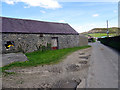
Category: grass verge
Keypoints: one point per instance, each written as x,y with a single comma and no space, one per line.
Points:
41,58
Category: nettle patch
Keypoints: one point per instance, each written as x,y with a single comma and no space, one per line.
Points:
25,47
43,47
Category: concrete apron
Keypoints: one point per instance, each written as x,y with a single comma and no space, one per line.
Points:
13,57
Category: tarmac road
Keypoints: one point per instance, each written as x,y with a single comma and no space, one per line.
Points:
103,72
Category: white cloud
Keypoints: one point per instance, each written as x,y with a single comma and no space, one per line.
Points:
62,21
26,6
42,11
78,28
115,11
95,15
8,1
88,0
83,28
52,4
89,26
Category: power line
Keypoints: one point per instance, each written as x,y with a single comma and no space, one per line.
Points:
113,18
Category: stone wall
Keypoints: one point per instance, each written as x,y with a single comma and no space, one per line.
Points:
83,40
33,42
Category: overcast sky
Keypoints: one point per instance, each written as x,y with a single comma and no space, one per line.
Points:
82,16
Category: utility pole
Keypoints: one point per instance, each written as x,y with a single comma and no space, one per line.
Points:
107,30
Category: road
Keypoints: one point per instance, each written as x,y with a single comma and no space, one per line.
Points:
72,72
103,72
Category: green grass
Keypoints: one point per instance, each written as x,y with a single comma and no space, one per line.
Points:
46,57
100,34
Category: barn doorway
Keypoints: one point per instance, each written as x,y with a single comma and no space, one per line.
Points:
54,43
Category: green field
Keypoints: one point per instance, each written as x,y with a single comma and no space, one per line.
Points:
100,34
44,57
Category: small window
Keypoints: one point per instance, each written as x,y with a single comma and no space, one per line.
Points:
9,44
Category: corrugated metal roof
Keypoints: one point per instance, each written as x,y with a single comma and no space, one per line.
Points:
13,25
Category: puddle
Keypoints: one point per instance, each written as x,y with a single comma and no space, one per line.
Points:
66,84
83,62
101,49
73,67
45,85
84,57
81,53
55,70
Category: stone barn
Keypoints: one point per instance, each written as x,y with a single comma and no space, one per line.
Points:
21,35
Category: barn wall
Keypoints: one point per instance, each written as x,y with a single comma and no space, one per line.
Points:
83,40
32,42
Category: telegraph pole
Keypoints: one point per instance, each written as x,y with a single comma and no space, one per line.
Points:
107,30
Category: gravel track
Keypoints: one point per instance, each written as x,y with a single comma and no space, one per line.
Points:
69,73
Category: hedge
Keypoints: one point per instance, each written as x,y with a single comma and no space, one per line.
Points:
113,42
